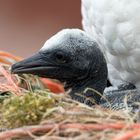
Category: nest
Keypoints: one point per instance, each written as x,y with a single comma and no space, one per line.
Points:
30,111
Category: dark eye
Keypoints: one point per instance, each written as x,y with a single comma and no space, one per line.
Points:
60,57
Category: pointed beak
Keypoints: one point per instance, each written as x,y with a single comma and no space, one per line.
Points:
33,65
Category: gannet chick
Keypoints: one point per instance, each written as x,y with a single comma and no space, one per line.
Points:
73,58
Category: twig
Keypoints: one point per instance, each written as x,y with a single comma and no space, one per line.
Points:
45,128
10,81
128,135
8,55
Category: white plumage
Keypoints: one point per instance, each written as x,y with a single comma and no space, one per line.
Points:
115,25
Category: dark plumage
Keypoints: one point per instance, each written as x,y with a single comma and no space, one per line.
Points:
73,58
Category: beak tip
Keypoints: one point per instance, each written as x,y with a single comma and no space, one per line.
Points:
12,69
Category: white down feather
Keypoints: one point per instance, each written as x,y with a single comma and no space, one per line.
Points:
115,25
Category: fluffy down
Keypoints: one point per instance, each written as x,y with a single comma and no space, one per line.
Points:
115,25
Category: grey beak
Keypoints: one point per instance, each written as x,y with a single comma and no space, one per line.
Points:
32,65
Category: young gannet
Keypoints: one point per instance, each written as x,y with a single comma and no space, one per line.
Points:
72,57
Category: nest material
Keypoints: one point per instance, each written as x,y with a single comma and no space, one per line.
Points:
63,119
28,111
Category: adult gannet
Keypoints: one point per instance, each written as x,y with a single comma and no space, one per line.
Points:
115,25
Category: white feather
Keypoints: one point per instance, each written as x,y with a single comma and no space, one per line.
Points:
115,25
61,36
